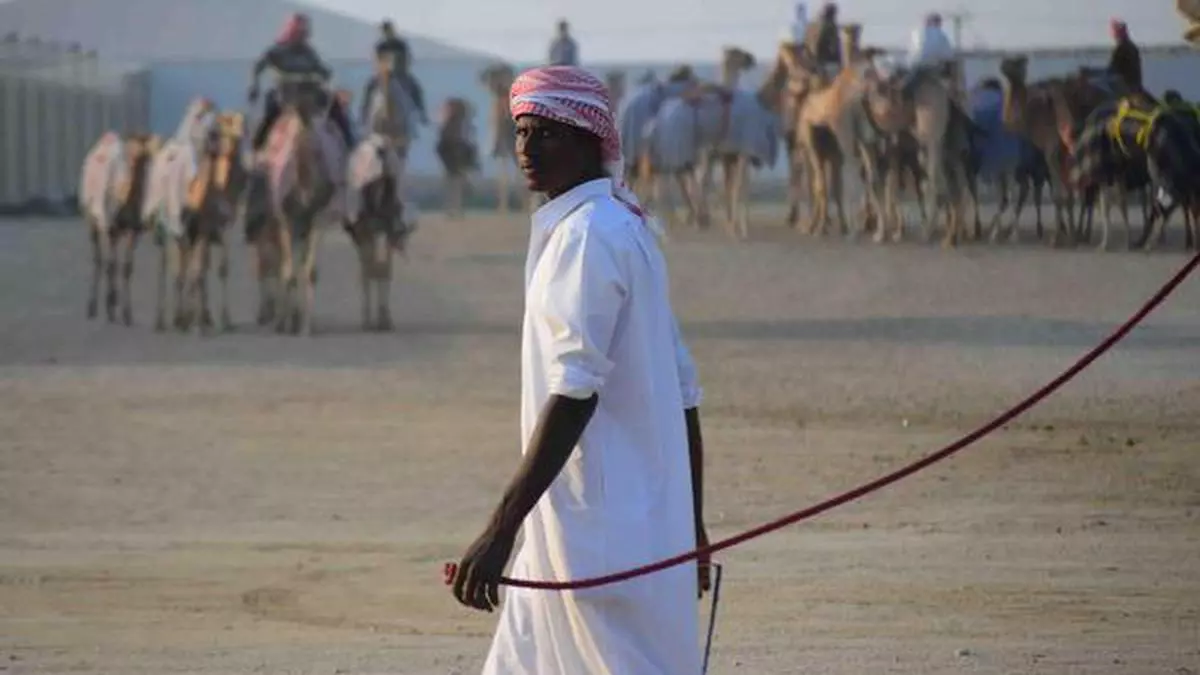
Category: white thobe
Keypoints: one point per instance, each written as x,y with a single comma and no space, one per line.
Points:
598,320
930,46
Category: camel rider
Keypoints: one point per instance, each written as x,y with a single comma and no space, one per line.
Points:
390,43
823,44
796,31
293,55
930,50
1126,61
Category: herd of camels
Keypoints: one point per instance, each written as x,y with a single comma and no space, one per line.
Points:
910,135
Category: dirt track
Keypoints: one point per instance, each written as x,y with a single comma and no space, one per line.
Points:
253,503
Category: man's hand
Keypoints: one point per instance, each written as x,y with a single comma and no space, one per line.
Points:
477,583
703,562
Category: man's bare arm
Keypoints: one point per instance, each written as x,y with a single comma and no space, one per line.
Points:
562,421
558,431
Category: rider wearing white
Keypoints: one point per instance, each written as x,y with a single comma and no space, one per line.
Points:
292,55
930,49
797,30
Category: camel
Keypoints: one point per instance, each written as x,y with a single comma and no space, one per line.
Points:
636,121
1047,114
305,175
1157,146
1189,10
175,171
378,219
457,150
112,186
1003,158
836,108
497,78
212,200
736,126
929,112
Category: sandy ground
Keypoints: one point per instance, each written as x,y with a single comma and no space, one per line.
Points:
253,503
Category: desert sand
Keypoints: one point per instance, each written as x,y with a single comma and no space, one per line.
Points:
250,503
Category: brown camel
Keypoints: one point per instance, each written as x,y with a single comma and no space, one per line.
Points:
211,203
306,170
837,109
457,150
929,113
1047,113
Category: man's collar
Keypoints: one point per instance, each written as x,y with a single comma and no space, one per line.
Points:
558,208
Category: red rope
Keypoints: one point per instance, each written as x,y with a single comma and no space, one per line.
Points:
875,485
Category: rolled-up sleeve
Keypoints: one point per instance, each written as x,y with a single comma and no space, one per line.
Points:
582,295
689,380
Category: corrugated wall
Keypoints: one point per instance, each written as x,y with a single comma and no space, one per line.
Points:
55,101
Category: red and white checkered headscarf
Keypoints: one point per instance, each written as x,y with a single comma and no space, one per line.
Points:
573,96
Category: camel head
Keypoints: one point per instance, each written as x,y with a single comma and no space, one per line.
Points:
683,73
1190,11
850,36
231,129
498,78
1015,70
736,59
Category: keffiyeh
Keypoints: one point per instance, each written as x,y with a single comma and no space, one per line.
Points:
572,95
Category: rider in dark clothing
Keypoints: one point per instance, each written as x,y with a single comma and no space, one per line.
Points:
1126,59
392,44
292,54
823,42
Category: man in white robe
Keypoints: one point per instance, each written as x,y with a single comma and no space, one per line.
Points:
611,475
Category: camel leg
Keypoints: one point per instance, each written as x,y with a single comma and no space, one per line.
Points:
961,194
682,181
837,194
111,290
703,180
285,306
203,260
178,264
264,271
223,280
98,239
128,248
362,246
164,268
794,196
729,176
1058,194
1087,204
994,232
305,282
891,219
934,190
739,206
383,280
1014,225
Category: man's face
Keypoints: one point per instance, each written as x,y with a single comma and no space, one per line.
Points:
551,155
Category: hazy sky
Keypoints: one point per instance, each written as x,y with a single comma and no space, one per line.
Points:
678,30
